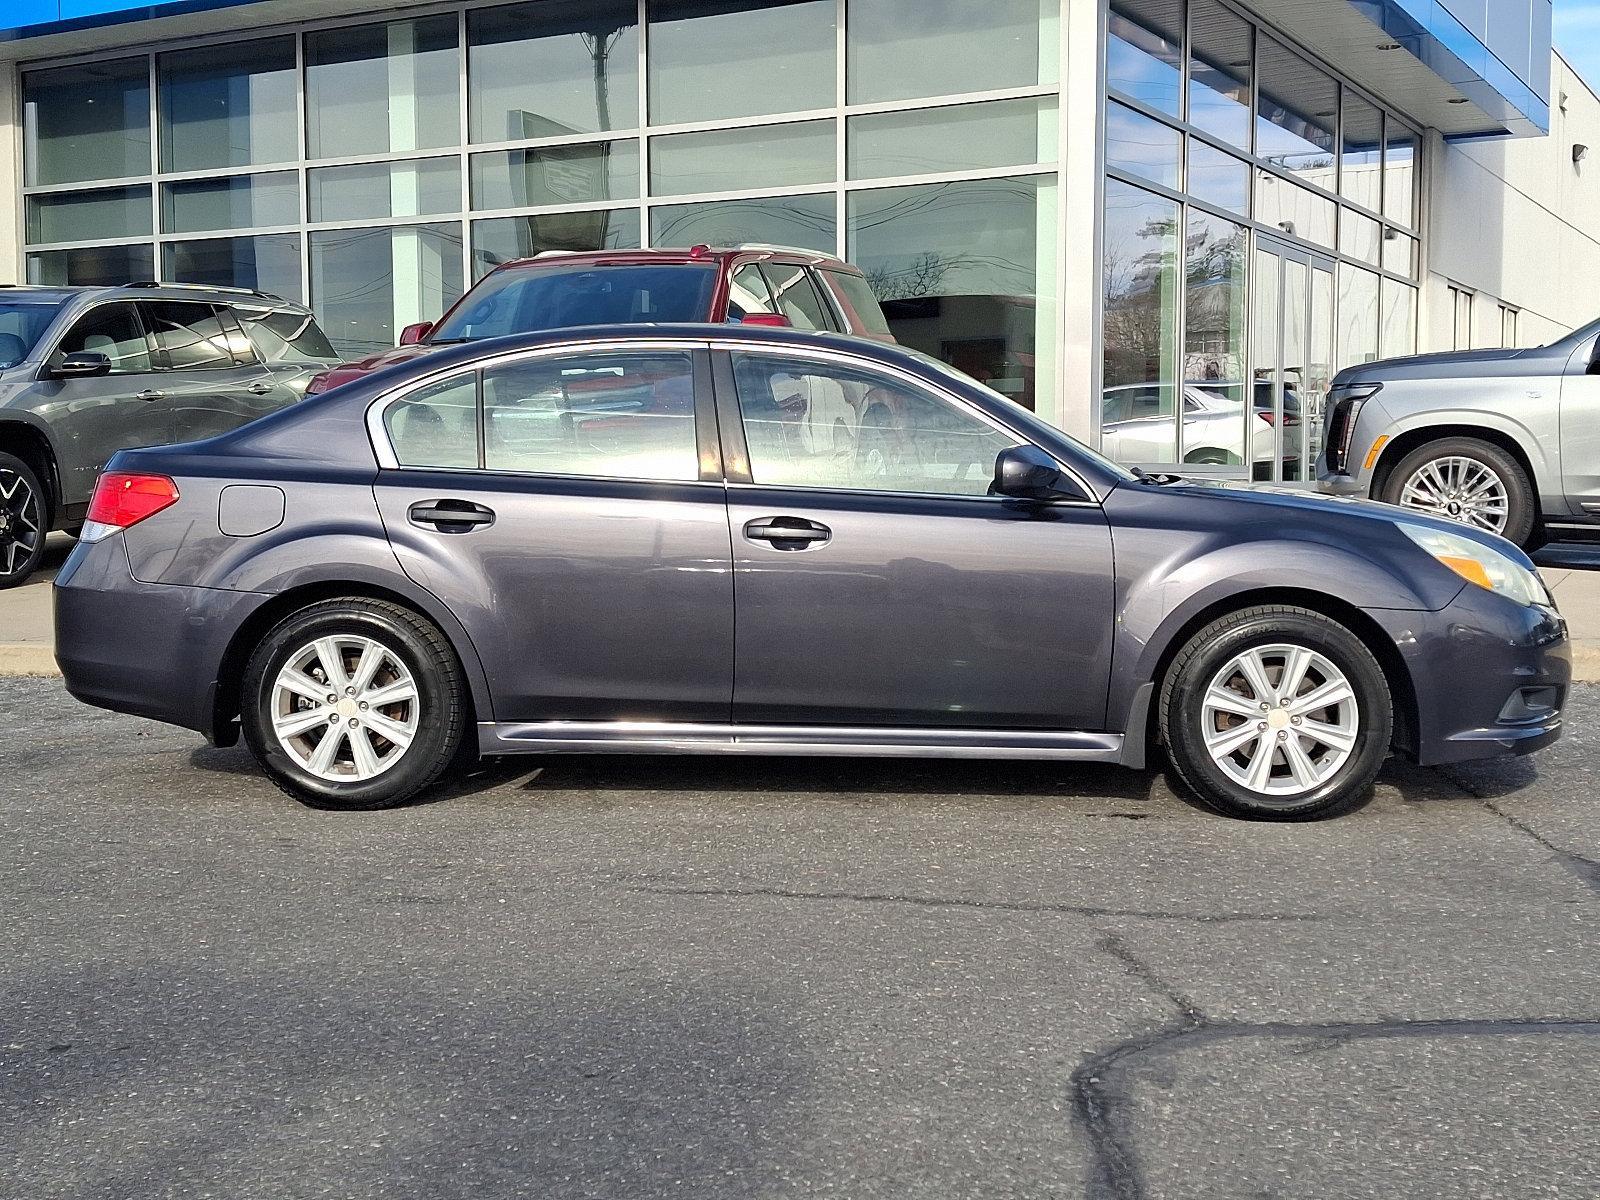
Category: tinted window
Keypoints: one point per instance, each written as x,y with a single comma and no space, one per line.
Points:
749,292
628,416
239,347
817,425
112,330
187,337
859,299
21,326
525,300
436,426
797,297
286,336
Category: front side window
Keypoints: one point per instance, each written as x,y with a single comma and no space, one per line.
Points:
812,424
188,337
614,415
113,330
437,426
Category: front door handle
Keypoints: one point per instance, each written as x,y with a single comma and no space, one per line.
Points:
151,395
788,533
451,516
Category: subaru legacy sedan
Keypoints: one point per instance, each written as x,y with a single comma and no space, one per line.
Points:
738,540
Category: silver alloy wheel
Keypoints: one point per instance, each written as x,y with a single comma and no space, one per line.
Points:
21,522
1280,720
345,708
1459,489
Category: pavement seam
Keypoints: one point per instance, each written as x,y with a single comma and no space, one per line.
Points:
1585,868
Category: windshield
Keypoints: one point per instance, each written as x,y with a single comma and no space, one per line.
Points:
21,327
537,298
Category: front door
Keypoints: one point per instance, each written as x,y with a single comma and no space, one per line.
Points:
878,583
568,509
1292,351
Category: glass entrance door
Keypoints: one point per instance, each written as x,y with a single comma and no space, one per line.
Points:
1292,360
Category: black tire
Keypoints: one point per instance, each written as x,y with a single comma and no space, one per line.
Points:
1211,650
443,702
1522,508
24,521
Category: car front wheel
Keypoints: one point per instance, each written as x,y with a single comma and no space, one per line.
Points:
24,521
354,704
1277,713
1466,480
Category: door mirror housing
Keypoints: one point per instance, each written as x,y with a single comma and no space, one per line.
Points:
767,320
1028,473
88,364
413,335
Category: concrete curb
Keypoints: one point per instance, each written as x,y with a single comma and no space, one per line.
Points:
27,661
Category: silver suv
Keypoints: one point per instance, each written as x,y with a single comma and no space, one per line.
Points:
85,372
1505,440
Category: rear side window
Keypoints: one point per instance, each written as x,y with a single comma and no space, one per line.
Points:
187,337
797,296
749,292
437,426
857,296
113,330
288,337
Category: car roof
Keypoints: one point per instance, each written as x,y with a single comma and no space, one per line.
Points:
239,297
711,255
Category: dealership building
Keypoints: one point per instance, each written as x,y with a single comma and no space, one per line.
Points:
1109,211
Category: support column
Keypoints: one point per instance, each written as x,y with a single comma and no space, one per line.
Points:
11,257
1082,224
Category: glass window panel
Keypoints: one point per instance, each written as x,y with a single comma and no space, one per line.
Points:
383,89
855,296
553,68
628,416
422,187
725,160
436,425
1001,133
1141,325
797,296
506,239
228,106
1400,320
285,337
713,59
1144,52
1358,316
1297,211
809,222
93,266
1399,174
1298,112
749,292
1319,377
1399,253
368,284
89,216
187,337
552,175
1220,59
1361,159
89,122
903,49
265,263
1218,178
1143,147
113,330
566,294
966,273
825,426
1214,328
240,202
1360,237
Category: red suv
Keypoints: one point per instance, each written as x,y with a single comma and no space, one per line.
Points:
765,285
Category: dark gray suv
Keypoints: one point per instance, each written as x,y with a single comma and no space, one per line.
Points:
85,372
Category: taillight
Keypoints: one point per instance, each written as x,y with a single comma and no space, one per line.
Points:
122,499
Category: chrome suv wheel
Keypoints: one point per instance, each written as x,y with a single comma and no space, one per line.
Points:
354,704
1466,480
24,521
1277,713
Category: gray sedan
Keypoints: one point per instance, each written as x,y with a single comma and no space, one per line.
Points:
740,540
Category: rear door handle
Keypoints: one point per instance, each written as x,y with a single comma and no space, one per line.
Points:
151,395
451,516
788,533
259,389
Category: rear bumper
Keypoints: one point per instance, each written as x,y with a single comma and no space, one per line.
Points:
1490,676
150,650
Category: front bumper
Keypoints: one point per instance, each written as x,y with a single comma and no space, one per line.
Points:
1490,677
1332,484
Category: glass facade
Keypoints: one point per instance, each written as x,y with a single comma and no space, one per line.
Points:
1260,234
377,167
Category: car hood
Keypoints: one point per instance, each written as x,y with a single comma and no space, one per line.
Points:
386,358
1457,364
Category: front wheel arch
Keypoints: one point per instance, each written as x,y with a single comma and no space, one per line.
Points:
1402,444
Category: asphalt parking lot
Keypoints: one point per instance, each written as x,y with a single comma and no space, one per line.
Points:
717,978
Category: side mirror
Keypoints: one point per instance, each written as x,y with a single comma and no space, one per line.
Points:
1028,473
767,320
412,335
87,365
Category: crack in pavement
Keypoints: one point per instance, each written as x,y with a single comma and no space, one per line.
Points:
1082,910
1586,869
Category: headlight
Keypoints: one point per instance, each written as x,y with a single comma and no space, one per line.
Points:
1477,563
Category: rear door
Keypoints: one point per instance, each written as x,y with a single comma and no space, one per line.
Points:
205,389
568,507
1580,429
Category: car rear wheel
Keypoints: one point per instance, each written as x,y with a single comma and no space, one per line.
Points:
354,704
1278,714
1466,480
24,521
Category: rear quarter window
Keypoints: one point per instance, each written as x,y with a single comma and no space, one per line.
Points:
283,336
858,301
